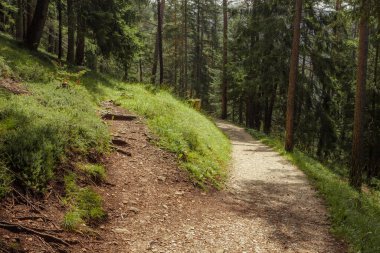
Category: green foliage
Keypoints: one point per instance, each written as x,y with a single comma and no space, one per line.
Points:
198,143
5,180
41,130
72,220
355,216
24,65
5,70
38,132
95,171
84,204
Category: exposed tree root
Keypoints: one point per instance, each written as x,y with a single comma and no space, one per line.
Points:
16,228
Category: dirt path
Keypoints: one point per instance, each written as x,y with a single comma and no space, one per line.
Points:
153,207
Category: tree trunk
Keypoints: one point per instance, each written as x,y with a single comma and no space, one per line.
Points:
225,60
357,142
241,110
249,119
51,41
289,142
60,26
36,27
20,20
269,111
338,5
160,18
81,28
155,61
141,71
70,32
186,49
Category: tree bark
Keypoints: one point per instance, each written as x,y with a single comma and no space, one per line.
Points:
225,61
51,41
155,61
70,32
20,20
160,18
60,27
81,40
140,71
36,27
289,142
186,48
357,142
269,111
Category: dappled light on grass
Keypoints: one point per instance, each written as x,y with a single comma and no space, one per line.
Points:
201,147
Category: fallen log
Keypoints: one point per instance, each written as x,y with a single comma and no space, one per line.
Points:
16,228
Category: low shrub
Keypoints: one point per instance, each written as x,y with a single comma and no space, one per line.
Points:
5,180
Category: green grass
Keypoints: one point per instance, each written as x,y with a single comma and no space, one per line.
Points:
51,126
355,216
204,151
40,131
96,172
85,205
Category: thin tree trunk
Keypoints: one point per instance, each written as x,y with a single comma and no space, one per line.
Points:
70,32
241,110
269,112
357,142
175,46
155,61
30,8
36,27
60,27
225,60
289,142
160,18
51,41
186,49
20,20
141,71
81,28
338,5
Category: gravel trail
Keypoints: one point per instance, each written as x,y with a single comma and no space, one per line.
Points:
267,207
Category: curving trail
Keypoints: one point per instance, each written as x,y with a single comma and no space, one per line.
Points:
268,206
287,214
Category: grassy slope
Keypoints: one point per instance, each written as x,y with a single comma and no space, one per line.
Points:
355,217
198,143
53,123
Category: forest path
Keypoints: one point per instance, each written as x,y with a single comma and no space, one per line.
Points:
153,207
286,210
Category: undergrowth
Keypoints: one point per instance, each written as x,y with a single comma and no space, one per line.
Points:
355,216
42,130
85,205
202,148
53,123
96,172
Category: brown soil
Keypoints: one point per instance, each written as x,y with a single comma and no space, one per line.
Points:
268,205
